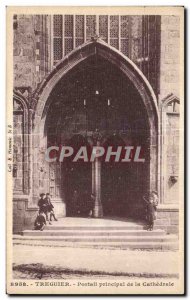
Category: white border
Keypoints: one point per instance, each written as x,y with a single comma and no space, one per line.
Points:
3,5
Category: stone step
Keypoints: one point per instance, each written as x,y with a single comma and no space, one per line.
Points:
172,229
119,239
162,222
100,233
88,232
148,245
100,228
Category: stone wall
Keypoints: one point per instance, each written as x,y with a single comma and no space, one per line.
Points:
169,105
167,219
171,174
30,50
18,158
169,59
23,216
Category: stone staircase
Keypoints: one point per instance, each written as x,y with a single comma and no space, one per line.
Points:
98,233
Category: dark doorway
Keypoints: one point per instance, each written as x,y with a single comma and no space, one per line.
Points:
78,180
123,184
114,190
114,179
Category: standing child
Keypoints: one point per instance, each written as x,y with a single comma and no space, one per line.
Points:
150,211
155,201
41,203
50,208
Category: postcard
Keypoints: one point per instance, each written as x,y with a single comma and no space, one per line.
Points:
95,150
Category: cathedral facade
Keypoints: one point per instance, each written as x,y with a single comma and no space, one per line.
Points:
96,80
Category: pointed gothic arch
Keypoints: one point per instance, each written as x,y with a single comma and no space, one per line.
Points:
110,54
40,101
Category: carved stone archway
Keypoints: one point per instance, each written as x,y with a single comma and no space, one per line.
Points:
40,101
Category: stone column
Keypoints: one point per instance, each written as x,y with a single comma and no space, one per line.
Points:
98,211
93,177
61,202
30,156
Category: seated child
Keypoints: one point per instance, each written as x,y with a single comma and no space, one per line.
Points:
40,221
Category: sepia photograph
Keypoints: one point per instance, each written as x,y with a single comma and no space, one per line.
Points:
95,150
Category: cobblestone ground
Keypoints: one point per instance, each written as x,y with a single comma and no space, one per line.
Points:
50,262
